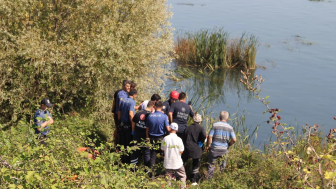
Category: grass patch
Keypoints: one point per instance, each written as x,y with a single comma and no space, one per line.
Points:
214,49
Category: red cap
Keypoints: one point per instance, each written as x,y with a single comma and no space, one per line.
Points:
174,95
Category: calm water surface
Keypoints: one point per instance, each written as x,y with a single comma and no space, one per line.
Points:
300,78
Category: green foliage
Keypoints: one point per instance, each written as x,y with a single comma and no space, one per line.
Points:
248,168
77,52
25,163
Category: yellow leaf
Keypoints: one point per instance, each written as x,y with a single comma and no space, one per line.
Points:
329,175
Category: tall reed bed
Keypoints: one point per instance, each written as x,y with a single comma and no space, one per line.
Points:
213,49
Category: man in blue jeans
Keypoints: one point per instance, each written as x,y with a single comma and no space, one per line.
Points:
156,127
221,137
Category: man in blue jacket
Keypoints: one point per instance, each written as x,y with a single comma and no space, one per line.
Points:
156,127
126,113
43,119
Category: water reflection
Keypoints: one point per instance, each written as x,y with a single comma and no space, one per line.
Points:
213,85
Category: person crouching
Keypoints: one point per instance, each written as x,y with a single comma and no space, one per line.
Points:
173,147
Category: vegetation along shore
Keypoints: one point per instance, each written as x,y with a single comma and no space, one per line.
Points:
77,53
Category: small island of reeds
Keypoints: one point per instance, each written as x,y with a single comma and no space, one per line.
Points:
214,49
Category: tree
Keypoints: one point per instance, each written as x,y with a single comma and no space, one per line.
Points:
76,52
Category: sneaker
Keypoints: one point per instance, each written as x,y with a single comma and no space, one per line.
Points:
194,184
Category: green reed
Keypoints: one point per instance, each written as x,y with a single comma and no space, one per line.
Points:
213,49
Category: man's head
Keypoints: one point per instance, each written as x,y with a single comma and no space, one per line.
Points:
197,118
182,96
224,115
133,85
150,106
126,85
158,106
174,127
133,93
155,97
45,103
174,95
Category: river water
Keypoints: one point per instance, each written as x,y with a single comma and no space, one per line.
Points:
297,45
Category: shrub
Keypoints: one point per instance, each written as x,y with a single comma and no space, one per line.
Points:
77,52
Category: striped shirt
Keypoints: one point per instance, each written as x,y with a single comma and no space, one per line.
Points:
221,134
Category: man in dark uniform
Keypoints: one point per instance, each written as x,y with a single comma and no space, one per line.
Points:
125,114
139,133
194,136
115,107
43,119
173,98
179,113
156,127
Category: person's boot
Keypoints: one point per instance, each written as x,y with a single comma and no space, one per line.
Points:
194,179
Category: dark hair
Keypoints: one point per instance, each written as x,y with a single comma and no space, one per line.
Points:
133,92
182,95
133,85
155,97
150,104
158,104
125,82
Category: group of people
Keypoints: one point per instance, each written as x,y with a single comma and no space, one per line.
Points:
166,124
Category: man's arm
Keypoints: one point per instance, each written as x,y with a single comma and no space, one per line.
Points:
167,124
51,120
168,128
43,125
131,115
232,137
170,117
209,142
137,107
119,115
192,113
232,141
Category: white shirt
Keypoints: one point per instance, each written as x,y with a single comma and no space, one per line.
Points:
172,145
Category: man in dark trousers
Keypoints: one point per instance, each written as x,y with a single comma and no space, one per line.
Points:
43,119
125,114
179,113
126,84
156,127
221,137
139,133
194,137
174,95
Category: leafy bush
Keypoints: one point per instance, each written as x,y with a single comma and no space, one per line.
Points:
77,52
25,163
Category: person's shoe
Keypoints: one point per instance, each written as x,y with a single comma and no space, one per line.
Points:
194,184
